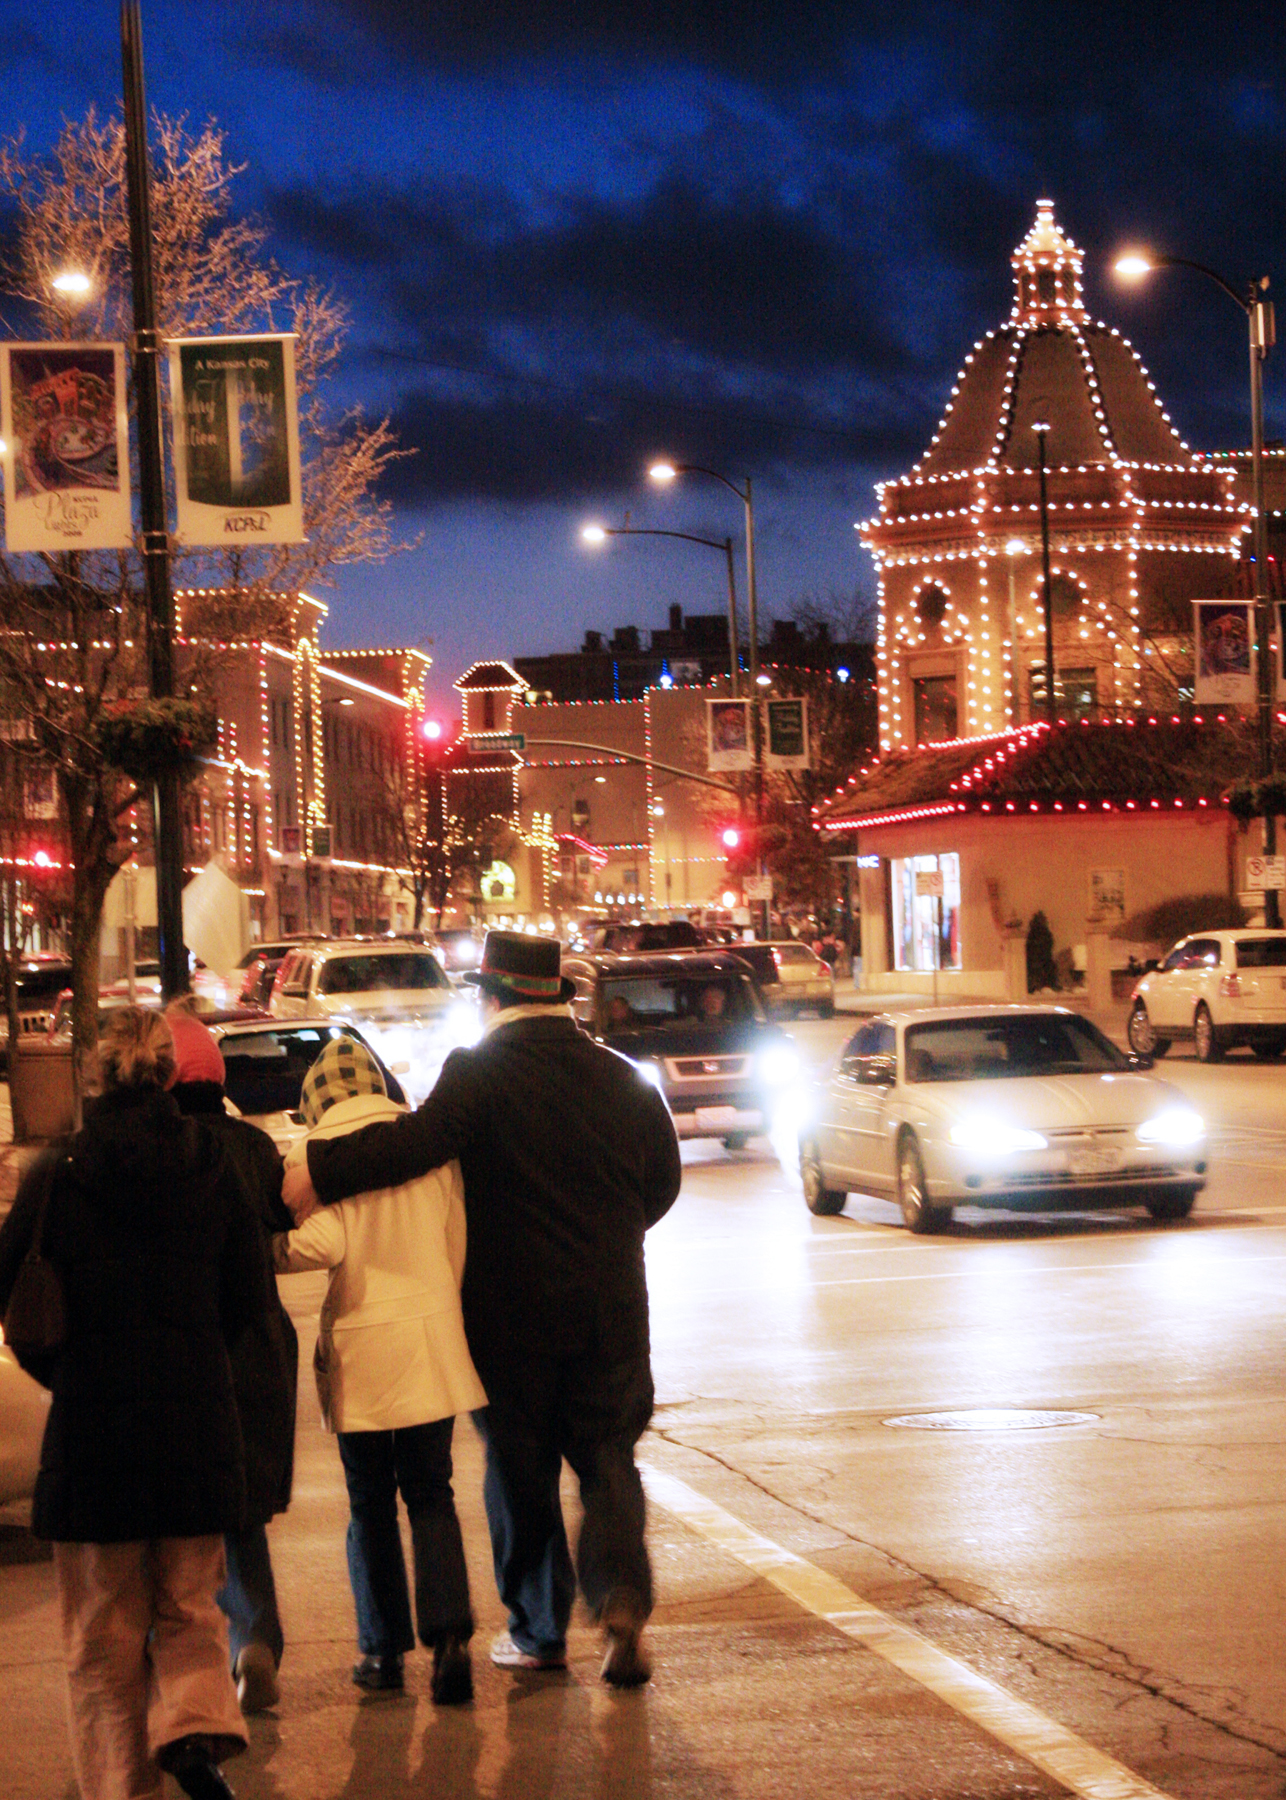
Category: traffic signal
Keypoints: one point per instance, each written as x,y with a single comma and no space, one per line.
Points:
731,837
432,731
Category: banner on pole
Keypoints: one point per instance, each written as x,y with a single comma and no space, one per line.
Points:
236,441
1223,659
66,447
728,740
787,745
1279,610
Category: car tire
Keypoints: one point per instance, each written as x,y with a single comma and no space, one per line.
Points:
826,1010
913,1198
1140,1035
1268,1052
1171,1203
736,1140
1205,1039
820,1199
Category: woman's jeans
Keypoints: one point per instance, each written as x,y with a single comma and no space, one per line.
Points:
415,1461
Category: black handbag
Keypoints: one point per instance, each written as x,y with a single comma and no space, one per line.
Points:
35,1320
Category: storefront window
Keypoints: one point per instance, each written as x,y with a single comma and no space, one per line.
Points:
916,940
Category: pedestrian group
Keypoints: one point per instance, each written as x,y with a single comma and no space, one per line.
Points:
485,1255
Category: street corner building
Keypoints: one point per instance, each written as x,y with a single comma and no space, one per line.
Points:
1121,803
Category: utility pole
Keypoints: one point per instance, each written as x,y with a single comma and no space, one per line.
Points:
167,813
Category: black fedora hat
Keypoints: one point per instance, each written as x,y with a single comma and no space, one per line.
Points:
526,969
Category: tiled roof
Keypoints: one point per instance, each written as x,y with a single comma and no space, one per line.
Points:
1142,765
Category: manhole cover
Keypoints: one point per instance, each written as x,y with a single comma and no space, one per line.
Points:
991,1418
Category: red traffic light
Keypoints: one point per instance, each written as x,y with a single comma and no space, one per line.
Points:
431,730
731,837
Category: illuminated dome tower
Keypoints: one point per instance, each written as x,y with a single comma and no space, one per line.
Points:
1139,525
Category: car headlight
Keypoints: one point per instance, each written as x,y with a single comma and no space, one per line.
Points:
777,1065
989,1137
1176,1126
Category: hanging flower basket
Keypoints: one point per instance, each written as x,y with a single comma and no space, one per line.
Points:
147,738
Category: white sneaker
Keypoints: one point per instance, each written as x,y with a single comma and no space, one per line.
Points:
511,1656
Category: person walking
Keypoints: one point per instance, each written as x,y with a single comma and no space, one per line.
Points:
393,1370
568,1157
141,1469
265,1372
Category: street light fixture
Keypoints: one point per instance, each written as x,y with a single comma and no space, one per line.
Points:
1262,336
73,284
596,535
666,472
1041,428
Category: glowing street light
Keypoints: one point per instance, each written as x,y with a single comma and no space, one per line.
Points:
73,284
594,534
1263,335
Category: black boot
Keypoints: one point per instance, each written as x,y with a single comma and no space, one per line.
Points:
191,1761
379,1674
452,1673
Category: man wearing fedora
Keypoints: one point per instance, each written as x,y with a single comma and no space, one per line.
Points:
568,1157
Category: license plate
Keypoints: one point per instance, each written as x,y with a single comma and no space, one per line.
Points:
716,1118
1093,1162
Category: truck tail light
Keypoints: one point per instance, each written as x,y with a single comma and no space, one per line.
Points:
1230,987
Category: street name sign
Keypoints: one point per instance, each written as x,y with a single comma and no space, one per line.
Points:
509,740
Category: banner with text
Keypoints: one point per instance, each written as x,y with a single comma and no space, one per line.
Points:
787,742
729,744
1223,652
66,447
236,441
1279,608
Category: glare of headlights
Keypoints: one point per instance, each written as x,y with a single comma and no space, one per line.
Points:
651,1074
1176,1126
989,1137
778,1065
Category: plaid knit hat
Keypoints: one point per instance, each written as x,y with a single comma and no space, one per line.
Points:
344,1069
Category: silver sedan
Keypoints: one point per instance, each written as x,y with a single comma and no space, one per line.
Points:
1022,1108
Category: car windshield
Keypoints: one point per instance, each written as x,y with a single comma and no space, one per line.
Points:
43,984
795,954
368,974
997,1049
1261,953
264,1070
656,1002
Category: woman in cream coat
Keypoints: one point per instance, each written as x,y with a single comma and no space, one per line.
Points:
393,1370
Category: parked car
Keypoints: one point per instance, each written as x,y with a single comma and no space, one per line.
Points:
109,1000
24,1408
1023,1108
791,977
205,984
265,1061
40,980
397,993
1217,988
695,1025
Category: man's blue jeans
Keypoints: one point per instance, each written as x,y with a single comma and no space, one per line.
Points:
248,1596
542,1410
415,1461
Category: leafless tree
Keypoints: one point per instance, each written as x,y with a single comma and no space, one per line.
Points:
73,628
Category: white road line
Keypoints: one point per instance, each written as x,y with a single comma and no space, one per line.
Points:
1051,1747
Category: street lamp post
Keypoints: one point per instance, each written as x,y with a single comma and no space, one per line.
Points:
666,472
167,808
1015,547
1262,336
595,534
1051,709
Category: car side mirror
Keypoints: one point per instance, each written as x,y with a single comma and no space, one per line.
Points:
876,1072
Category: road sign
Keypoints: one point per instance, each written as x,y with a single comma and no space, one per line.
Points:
1265,872
757,887
928,882
508,740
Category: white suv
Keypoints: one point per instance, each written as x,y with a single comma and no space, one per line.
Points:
396,992
1219,988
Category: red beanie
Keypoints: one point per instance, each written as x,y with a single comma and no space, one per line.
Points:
197,1056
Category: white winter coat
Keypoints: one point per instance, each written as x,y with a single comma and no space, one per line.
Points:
391,1349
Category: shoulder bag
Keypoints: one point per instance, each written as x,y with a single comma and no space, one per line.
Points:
35,1320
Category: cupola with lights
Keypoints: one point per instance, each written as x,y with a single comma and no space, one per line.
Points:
1138,526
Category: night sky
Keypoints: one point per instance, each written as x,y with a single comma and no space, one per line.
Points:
759,236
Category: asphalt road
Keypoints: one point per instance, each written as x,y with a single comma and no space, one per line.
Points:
848,1606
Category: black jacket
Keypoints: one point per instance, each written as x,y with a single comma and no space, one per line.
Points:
265,1358
153,1236
568,1157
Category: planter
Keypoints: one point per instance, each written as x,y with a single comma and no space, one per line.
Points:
150,738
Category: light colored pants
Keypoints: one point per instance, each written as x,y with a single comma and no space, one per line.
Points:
146,1650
